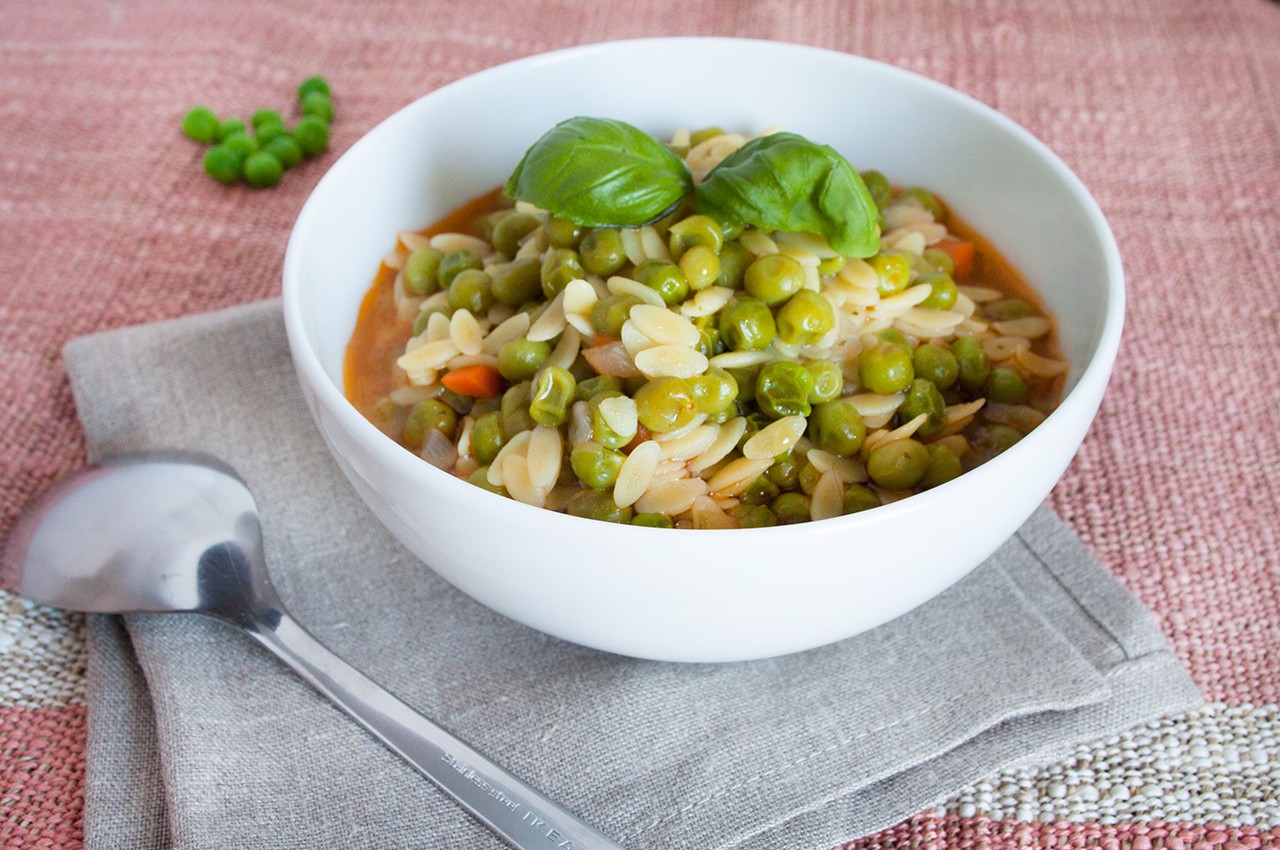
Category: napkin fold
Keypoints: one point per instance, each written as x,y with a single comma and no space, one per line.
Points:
200,739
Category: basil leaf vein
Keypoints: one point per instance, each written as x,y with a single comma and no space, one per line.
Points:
786,182
600,172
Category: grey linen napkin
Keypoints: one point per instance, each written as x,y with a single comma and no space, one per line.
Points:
198,738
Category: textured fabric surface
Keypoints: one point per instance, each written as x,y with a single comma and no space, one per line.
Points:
1166,108
1037,652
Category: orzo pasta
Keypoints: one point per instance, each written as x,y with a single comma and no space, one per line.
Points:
699,373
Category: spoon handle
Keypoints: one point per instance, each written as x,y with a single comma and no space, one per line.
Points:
521,815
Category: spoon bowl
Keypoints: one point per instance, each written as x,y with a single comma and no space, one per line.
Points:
179,532
142,534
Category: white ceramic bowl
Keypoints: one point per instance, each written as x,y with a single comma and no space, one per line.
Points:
702,595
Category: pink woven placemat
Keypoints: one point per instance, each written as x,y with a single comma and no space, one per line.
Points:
1166,108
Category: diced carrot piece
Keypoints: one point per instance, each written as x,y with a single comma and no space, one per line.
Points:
961,252
476,381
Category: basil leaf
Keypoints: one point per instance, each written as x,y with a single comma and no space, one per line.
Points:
786,182
598,172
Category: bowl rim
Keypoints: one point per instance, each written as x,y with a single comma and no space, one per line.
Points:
1087,390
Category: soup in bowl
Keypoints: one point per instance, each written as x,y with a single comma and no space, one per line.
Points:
764,489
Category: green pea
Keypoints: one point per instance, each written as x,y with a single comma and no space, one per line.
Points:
828,380
830,265
885,368
551,397
665,278
602,252
653,521
559,266
944,465
430,414
754,516
747,324
700,266
745,378
420,323
858,498
942,290
486,437
601,432
783,388
598,505
262,170
665,404
999,438
312,135
269,131
785,471
519,359
940,260
734,260
973,362
488,404
471,289
222,164
935,363
284,147
695,230
265,116
480,478
893,271
319,105
899,465
200,124
714,391
461,404
808,478
917,262
241,144
762,491
837,427
313,83
610,313
229,127
923,397
596,465
1008,308
510,229
562,233
805,318
592,387
893,335
790,508
878,185
709,342
756,420
515,410
1006,386
927,200
774,278
454,262
421,270
518,282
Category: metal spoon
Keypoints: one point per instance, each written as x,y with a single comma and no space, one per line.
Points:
176,532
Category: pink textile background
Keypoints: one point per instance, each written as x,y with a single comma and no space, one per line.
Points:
1167,109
